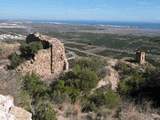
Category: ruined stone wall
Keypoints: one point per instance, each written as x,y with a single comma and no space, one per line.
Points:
47,63
140,57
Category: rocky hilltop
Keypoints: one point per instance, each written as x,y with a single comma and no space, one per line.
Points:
49,62
10,112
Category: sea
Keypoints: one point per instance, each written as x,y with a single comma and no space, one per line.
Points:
140,25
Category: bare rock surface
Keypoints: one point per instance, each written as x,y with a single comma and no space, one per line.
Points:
10,112
111,78
8,79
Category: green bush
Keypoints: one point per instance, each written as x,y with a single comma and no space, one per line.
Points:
16,60
34,86
131,84
99,99
92,64
124,69
88,80
73,83
112,99
82,79
28,50
35,97
44,111
89,107
24,100
1,51
148,90
109,99
59,98
61,90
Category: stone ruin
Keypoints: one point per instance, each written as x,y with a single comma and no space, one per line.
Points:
10,112
49,62
141,57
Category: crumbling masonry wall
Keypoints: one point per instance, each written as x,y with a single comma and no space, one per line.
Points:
48,63
141,57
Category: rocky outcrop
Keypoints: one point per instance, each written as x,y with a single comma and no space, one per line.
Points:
10,112
111,77
48,63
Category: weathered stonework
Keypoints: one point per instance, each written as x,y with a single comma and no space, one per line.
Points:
48,63
140,57
10,112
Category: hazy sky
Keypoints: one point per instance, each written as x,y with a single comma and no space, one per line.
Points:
117,10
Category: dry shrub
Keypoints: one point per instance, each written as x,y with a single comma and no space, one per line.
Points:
131,111
7,49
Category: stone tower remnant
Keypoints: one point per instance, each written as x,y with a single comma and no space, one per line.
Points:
140,57
49,62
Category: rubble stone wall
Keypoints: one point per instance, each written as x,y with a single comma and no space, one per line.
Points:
47,63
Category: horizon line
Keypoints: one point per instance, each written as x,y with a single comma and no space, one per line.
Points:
77,20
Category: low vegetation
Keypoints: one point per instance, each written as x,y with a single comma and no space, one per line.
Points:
136,89
101,100
27,51
0,51
78,87
16,60
139,85
37,99
78,82
44,111
75,86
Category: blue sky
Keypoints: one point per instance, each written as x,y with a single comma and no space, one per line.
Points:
107,10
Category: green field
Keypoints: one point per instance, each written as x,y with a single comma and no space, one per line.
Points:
129,42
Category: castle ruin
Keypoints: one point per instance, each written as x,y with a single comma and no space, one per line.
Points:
140,57
49,62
